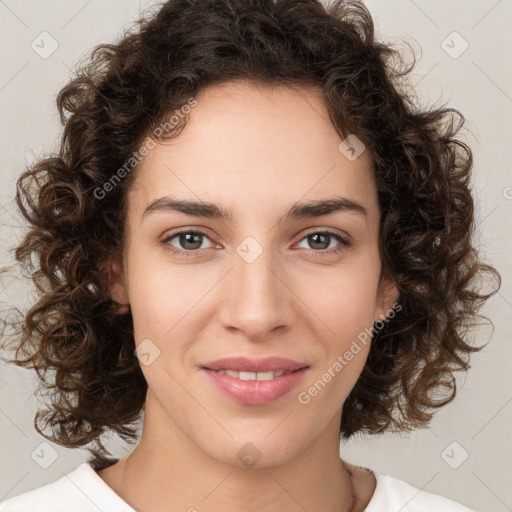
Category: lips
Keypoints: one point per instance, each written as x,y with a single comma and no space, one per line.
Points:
255,381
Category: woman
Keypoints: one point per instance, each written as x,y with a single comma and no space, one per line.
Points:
204,157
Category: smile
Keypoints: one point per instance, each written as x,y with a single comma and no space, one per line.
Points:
254,375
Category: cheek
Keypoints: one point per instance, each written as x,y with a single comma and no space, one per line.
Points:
344,298
162,295
342,310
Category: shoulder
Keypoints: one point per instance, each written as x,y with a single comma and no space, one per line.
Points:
394,494
82,488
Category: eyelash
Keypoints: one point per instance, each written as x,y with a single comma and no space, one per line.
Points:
344,243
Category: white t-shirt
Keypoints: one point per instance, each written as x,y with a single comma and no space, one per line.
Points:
83,490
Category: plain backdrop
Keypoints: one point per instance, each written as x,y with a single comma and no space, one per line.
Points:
463,53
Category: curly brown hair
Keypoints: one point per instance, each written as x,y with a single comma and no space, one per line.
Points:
82,347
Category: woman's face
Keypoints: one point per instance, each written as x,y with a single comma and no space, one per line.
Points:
258,283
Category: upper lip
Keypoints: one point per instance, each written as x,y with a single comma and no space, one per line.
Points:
246,364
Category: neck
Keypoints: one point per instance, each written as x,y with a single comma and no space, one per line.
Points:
166,471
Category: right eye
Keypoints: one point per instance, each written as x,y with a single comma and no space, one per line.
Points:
190,241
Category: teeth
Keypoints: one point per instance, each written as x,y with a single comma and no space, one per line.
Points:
254,375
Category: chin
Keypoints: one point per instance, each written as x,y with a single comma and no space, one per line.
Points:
256,450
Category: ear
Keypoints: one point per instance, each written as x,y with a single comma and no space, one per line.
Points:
118,288
387,296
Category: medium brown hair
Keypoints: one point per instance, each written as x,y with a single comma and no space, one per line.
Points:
83,349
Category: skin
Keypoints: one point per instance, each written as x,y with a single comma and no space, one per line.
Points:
255,151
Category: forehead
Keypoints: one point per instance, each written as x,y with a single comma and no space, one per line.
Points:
251,144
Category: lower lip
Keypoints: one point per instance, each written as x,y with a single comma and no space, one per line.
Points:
255,392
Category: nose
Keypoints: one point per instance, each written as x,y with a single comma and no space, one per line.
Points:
255,298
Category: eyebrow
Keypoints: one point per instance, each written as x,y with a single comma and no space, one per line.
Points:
297,211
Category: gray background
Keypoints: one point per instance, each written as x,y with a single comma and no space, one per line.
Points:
478,82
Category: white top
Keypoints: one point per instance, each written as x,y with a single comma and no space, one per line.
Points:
83,490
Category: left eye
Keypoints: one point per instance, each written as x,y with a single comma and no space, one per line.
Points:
324,237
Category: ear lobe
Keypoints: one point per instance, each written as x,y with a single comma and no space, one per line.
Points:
388,296
117,288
